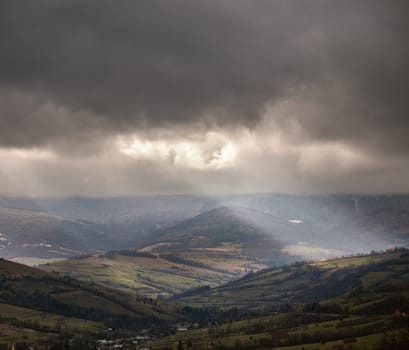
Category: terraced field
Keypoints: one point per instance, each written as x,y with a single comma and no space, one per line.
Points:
210,249
159,274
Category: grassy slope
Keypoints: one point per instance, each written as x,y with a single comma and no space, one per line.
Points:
162,274
47,292
315,281
340,303
279,331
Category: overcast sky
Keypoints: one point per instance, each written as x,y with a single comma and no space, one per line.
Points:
102,98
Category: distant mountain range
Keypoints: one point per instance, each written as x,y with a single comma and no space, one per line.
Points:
30,233
306,226
126,221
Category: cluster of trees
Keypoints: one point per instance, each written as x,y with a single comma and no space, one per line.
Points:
134,253
179,260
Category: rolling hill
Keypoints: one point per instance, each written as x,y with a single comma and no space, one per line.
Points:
216,227
357,302
128,220
209,249
389,225
379,275
30,233
308,226
225,243
40,304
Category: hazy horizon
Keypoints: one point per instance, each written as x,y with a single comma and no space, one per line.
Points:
213,195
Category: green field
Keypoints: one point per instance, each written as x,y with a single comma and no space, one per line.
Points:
348,303
286,331
29,287
160,274
348,282
359,302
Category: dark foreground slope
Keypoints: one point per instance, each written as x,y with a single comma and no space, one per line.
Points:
43,301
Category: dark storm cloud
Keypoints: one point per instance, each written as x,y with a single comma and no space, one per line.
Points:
75,68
